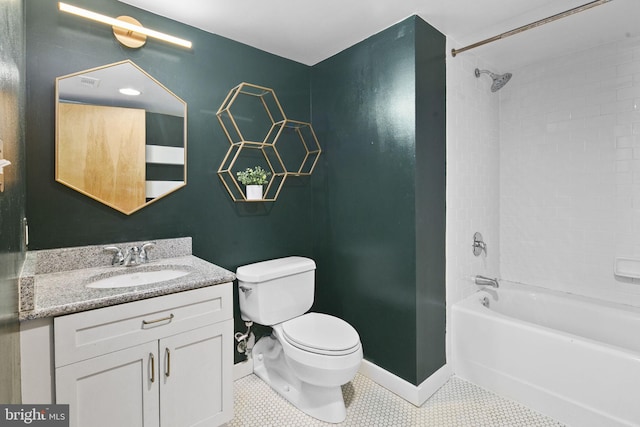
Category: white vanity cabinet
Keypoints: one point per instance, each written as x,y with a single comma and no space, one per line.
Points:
112,389
165,361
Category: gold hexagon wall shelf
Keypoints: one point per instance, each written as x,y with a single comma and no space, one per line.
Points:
234,162
287,147
298,146
254,104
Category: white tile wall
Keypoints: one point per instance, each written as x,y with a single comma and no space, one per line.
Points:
570,171
472,175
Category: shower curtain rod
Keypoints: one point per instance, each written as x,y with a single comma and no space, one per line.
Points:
564,14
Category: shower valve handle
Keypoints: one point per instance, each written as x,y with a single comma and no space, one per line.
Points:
479,245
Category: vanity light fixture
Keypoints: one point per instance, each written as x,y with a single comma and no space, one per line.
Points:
129,91
132,28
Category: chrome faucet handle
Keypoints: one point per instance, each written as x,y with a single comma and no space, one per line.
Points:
118,257
144,256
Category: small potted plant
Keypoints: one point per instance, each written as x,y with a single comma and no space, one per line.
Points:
253,179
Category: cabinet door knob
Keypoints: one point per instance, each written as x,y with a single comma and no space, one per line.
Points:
167,371
153,367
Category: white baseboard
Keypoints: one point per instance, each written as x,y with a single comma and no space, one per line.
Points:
242,369
416,395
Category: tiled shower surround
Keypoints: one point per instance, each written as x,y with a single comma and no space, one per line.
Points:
473,175
548,170
570,172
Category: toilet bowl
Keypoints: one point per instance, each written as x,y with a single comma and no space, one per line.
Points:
309,375
308,356
321,349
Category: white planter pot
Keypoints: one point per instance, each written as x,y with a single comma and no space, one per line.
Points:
254,192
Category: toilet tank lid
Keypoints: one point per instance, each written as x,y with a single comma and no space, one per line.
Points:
273,269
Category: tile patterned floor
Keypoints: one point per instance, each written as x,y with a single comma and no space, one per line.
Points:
457,404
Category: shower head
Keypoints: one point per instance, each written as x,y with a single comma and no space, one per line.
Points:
498,80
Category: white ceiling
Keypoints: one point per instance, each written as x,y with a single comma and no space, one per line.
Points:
104,83
309,32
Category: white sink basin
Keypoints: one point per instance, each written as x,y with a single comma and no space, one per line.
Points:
137,278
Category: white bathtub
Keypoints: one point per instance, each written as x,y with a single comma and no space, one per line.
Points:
572,358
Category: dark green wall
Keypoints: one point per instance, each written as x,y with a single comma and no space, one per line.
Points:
374,227
226,233
12,200
430,199
381,257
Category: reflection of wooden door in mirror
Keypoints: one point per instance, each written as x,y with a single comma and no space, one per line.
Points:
104,153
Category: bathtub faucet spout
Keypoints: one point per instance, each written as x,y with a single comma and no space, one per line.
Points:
485,281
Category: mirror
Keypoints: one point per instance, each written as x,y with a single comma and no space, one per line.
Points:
120,136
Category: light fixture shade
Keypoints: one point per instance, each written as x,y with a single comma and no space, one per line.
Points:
64,7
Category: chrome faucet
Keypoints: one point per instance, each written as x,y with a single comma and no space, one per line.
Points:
485,281
134,256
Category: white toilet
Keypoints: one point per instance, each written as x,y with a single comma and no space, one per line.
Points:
308,356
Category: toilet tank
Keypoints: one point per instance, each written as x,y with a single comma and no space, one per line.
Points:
273,291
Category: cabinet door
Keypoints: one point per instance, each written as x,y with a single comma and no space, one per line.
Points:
196,372
116,389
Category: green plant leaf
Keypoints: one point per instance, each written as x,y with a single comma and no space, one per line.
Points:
253,176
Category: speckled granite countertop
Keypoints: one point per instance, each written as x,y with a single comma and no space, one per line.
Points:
50,286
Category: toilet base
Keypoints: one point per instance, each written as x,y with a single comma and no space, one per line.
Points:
270,365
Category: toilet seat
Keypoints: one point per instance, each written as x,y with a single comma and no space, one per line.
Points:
321,334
